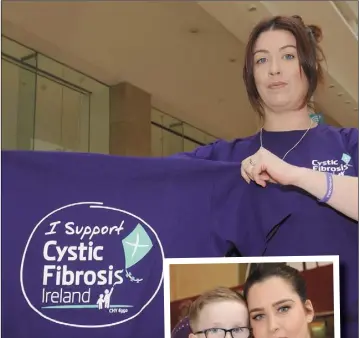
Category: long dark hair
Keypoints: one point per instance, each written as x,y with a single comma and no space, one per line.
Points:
264,271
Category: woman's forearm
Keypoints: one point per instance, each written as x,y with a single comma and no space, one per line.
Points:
345,189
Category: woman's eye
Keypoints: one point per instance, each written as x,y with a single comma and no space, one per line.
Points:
289,56
284,309
214,330
261,60
258,317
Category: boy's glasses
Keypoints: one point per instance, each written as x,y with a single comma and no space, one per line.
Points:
216,332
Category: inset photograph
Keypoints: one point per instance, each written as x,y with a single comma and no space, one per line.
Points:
262,297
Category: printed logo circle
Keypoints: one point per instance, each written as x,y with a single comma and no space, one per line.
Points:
91,265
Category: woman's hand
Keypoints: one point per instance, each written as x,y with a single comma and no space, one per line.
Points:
263,167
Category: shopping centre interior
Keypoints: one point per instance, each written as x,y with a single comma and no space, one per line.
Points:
153,78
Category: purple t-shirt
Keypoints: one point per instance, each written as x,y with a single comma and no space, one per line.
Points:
84,237
290,222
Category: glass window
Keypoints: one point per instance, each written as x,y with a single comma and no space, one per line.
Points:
165,143
49,106
98,102
170,135
17,106
156,141
62,117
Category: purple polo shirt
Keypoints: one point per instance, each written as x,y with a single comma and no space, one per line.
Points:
290,222
84,238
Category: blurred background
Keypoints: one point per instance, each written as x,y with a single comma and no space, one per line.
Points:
151,78
188,281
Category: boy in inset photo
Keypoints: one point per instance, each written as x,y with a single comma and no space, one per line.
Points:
218,312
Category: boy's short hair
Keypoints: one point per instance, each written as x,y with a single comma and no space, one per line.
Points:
215,295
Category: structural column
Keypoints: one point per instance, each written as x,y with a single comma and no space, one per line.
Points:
130,121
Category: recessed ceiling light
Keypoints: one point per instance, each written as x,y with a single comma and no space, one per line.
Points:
340,94
194,30
252,8
331,86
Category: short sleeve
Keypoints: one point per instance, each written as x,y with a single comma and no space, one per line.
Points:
350,137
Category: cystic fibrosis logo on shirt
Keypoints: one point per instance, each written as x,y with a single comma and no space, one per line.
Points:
338,167
88,265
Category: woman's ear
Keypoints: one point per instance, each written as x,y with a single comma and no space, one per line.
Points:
308,306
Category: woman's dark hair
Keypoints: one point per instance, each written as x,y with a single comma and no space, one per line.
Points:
264,271
309,53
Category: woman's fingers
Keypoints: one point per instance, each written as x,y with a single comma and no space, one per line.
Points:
259,176
244,175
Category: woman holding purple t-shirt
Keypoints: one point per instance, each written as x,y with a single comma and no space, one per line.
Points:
281,72
306,174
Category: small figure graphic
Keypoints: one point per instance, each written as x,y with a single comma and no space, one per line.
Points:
100,302
107,298
104,300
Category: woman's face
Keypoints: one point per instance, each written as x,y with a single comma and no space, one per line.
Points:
277,73
276,310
